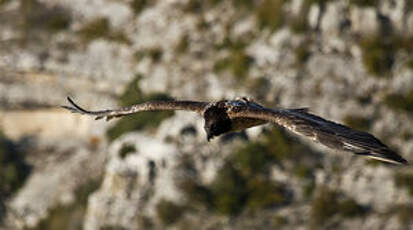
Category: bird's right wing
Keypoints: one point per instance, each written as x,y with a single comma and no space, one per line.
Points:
195,106
328,133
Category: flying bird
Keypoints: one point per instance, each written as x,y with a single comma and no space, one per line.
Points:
226,116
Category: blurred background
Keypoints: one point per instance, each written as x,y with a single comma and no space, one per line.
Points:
350,61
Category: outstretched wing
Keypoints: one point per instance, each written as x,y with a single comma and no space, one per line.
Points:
146,106
328,133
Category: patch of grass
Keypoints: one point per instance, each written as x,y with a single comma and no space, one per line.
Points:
365,3
100,28
126,149
270,14
400,102
169,212
405,180
133,95
357,122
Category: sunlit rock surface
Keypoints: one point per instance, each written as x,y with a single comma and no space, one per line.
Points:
347,61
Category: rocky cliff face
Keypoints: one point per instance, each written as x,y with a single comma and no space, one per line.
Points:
349,61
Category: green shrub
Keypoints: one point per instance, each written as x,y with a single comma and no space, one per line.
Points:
264,193
281,145
70,216
299,23
270,14
378,54
253,158
259,87
36,17
97,28
126,149
240,63
405,180
409,63
279,221
13,168
133,95
244,181
302,52
357,122
350,208
365,3
327,203
229,190
323,207
183,44
3,2
138,5
409,6
100,28
169,212
111,227
155,54
405,214
400,102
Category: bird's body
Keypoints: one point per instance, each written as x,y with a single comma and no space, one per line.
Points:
235,115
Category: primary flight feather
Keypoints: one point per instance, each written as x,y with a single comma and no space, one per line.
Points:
234,115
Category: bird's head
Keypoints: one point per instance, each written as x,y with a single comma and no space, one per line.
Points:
217,122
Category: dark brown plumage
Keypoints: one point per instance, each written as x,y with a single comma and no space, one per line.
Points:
235,115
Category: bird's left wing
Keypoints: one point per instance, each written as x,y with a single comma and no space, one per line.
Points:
195,106
328,133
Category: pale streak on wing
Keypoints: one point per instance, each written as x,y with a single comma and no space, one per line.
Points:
328,133
194,106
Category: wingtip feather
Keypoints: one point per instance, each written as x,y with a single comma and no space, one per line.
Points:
389,157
